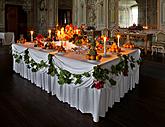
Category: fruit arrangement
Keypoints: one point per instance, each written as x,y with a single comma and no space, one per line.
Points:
129,45
114,48
92,55
99,46
22,41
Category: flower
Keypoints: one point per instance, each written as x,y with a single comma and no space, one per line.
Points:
39,37
98,84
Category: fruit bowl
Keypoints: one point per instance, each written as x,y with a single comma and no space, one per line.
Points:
129,45
114,48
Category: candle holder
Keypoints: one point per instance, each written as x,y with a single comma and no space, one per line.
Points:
105,48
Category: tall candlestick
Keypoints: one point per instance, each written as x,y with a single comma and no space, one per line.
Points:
118,40
105,46
31,32
49,31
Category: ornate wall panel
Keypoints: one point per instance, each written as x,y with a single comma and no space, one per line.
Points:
91,15
2,15
47,13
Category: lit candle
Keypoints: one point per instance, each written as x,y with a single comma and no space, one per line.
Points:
58,33
49,31
118,40
105,46
76,31
31,32
145,27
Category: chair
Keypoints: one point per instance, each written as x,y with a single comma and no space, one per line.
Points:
2,38
9,38
159,45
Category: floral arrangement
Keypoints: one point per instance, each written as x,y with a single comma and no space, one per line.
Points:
39,40
70,30
39,37
71,33
21,39
67,32
100,42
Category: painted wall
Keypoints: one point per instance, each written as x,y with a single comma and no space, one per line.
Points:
2,15
92,13
162,15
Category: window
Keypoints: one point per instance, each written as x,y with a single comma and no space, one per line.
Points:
128,13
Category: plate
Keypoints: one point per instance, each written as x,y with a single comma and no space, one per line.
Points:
60,53
93,61
37,48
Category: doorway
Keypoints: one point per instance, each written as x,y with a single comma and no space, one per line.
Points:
15,20
64,16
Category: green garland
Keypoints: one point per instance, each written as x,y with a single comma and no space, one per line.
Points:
17,57
66,77
30,63
102,75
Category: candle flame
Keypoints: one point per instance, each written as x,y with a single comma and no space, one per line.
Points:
49,31
118,36
31,32
145,27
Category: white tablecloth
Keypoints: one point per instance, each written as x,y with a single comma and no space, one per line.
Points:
82,96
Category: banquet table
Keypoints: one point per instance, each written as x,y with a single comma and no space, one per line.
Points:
80,96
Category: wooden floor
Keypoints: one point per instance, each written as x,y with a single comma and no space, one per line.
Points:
24,105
